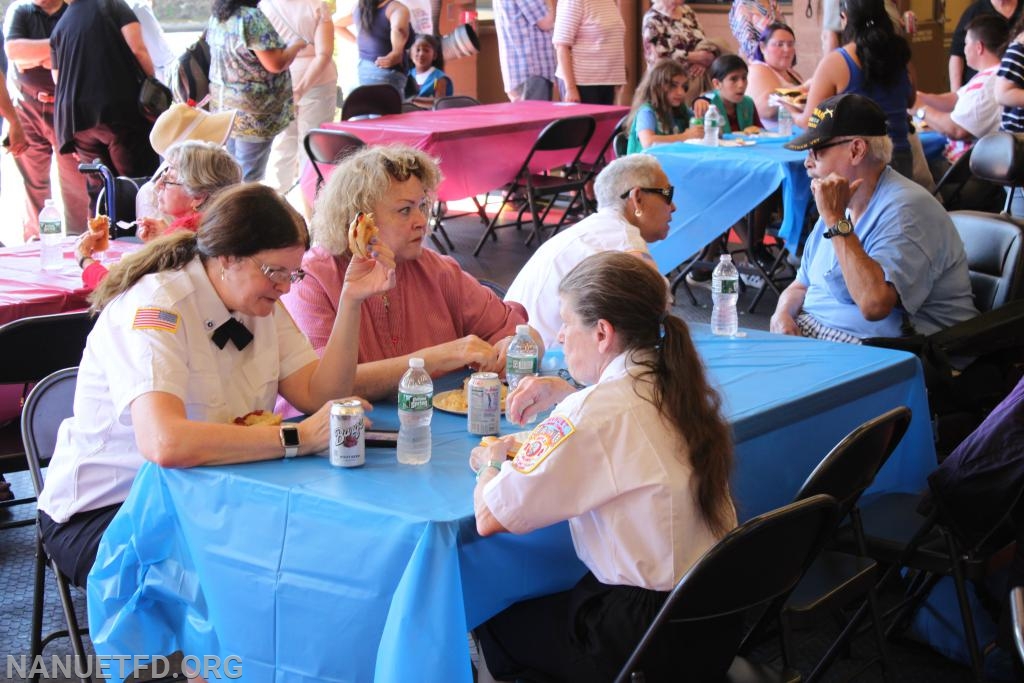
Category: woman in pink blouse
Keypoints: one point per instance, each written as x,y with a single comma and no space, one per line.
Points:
436,311
589,40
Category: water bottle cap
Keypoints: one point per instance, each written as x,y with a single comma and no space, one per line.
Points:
523,330
48,202
727,258
415,362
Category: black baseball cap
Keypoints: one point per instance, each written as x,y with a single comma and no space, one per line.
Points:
840,116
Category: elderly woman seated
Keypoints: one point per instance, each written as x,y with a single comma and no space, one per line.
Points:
638,463
436,311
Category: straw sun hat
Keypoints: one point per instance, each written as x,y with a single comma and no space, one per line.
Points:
182,122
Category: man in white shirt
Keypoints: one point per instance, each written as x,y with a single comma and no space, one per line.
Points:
635,205
971,112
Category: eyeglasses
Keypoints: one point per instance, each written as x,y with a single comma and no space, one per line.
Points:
813,151
781,43
280,275
666,192
162,179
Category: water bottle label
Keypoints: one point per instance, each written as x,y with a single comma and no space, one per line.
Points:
415,402
50,227
521,365
724,286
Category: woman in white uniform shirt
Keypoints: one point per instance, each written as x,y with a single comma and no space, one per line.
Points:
192,335
638,462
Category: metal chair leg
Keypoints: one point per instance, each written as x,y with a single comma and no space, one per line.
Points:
970,634
38,596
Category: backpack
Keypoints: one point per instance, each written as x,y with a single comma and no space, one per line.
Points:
193,78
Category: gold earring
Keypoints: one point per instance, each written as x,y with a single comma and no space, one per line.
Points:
223,274
638,213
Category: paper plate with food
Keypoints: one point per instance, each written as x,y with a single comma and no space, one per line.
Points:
456,401
794,96
734,142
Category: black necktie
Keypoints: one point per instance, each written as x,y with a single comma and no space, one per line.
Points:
233,330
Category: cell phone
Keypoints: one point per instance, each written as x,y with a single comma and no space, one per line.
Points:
381,439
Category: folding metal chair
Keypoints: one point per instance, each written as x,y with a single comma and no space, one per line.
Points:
49,403
326,146
455,102
1017,616
379,99
33,348
591,169
568,134
753,565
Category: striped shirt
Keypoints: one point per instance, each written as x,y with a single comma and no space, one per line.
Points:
524,50
596,33
1012,69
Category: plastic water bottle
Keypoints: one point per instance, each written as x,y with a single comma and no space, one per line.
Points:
712,126
785,122
415,410
521,358
724,293
51,234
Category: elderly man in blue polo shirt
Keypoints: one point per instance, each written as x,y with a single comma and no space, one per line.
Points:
884,259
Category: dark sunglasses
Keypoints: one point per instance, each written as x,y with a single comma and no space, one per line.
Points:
666,192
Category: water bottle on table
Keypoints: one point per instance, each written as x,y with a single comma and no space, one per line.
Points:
415,410
521,358
51,234
712,126
724,293
785,122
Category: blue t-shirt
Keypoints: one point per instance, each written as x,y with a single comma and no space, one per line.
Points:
912,238
646,119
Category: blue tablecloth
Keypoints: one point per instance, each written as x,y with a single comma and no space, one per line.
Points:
717,186
309,572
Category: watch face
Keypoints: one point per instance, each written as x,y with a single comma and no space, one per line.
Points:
844,227
290,436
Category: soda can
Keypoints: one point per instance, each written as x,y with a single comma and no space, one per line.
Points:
696,121
484,399
910,22
348,438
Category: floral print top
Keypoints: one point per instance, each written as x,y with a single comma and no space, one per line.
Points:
665,36
238,80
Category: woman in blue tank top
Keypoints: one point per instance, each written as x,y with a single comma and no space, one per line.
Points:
384,36
874,61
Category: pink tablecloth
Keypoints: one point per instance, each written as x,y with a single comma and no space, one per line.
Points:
480,148
26,289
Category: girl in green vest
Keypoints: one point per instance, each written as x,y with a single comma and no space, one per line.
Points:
729,76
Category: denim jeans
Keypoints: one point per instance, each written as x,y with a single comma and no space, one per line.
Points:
370,73
252,155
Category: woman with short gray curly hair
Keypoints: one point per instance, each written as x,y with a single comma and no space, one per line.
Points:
436,311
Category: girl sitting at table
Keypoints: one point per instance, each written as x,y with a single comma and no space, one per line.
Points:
191,336
193,171
437,311
659,112
638,463
428,69
729,77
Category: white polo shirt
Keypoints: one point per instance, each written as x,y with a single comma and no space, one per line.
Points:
608,462
536,285
157,337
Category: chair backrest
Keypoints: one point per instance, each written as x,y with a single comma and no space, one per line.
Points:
569,133
34,347
48,404
850,467
498,290
325,146
759,561
995,256
411,106
953,180
999,158
378,99
609,144
455,102
1017,615
621,145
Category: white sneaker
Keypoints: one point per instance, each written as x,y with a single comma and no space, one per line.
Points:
752,280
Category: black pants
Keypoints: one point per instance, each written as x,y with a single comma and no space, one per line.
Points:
74,543
586,634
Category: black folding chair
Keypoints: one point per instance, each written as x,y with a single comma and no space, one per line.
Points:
378,99
591,169
1017,616
568,134
49,403
33,348
326,146
455,102
756,563
835,579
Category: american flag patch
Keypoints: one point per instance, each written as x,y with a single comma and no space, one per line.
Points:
155,319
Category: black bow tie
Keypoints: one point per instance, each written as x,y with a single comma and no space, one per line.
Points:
233,330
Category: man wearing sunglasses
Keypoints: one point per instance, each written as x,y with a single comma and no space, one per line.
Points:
884,259
635,205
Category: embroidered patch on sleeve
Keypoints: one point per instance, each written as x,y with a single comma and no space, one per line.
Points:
543,440
150,318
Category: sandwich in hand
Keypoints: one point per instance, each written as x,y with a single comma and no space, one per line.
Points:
360,233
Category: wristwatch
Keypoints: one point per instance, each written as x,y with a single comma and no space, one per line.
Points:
290,440
841,229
